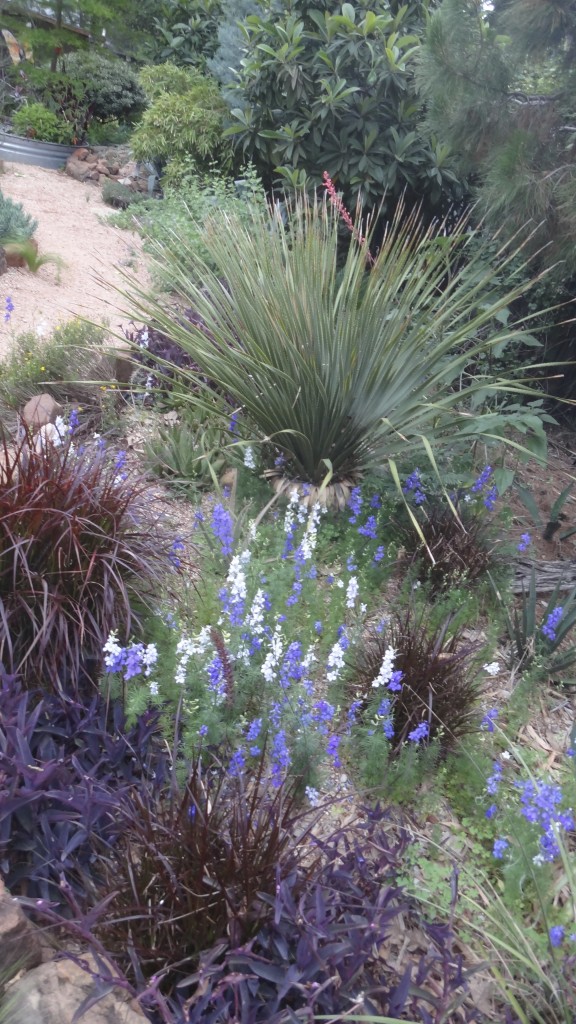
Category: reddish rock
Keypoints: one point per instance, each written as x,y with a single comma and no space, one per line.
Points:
80,154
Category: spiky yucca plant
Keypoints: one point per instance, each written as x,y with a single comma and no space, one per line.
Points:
344,368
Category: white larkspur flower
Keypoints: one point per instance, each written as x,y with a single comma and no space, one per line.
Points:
273,656
492,668
249,460
111,650
255,620
352,592
149,658
386,669
335,662
186,648
308,543
153,687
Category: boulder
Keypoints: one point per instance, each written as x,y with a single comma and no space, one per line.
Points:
129,170
80,154
20,945
91,158
77,169
53,993
39,411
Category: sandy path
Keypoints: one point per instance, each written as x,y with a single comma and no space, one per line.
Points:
67,212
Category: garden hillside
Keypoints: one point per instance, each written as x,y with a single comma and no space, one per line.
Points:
71,224
287,503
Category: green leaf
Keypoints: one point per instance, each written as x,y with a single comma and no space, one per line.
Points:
503,478
527,500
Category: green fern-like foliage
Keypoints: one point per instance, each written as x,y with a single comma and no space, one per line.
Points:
15,223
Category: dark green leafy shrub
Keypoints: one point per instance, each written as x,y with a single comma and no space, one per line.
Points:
35,121
111,88
78,554
15,224
185,32
324,89
188,122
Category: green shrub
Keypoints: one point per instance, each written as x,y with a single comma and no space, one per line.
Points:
188,122
35,121
112,90
71,365
178,219
15,224
323,88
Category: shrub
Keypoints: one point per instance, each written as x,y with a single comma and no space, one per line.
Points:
77,555
321,88
185,123
189,200
15,224
351,392
112,90
64,768
35,121
72,365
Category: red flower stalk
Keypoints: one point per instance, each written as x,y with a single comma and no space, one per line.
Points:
338,205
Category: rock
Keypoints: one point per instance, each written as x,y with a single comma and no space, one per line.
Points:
77,168
80,154
14,254
125,181
53,992
19,942
114,168
129,170
39,411
91,158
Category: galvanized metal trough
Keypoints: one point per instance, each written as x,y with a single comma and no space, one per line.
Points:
19,150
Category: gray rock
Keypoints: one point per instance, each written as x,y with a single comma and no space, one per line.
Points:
53,992
19,941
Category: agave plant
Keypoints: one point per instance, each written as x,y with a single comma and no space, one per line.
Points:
341,368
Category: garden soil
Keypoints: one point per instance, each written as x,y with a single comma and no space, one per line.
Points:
71,224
